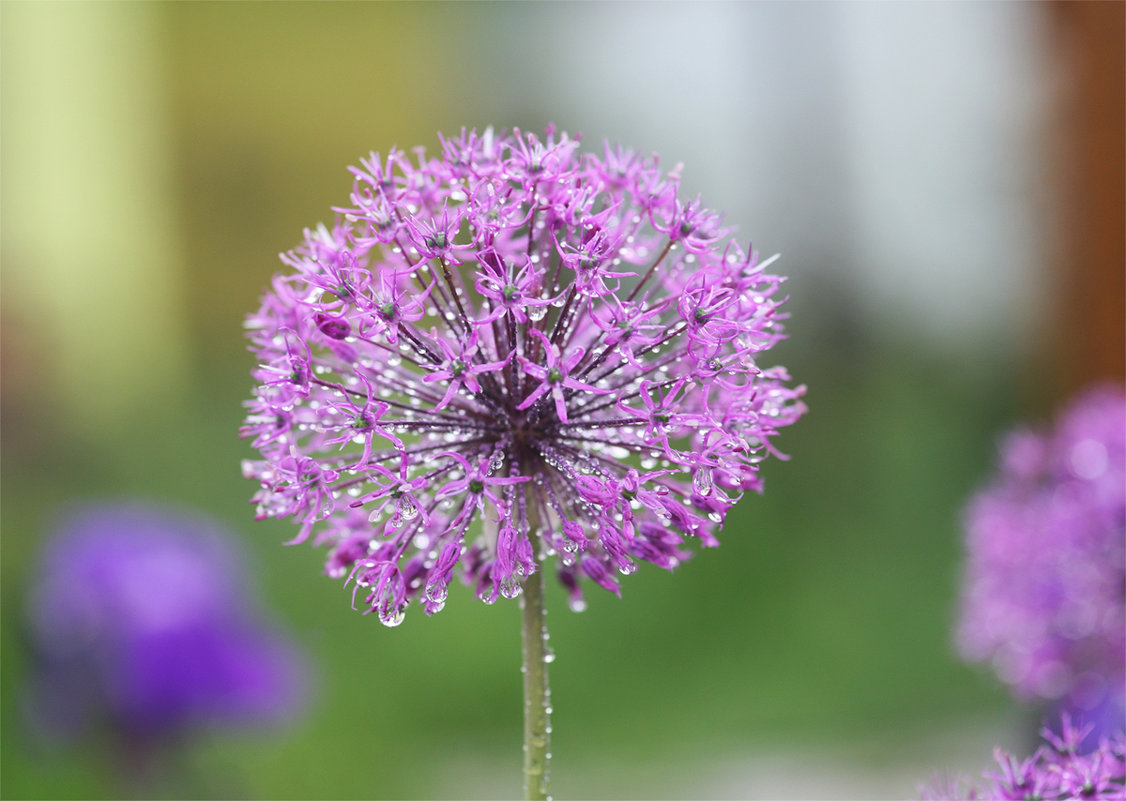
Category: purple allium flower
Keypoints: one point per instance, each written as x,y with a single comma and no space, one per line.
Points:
140,618
1059,769
511,352
1045,587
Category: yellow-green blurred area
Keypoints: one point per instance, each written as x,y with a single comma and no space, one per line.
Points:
916,165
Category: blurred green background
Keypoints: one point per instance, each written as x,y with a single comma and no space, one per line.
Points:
908,161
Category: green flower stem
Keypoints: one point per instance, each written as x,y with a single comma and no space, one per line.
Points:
537,731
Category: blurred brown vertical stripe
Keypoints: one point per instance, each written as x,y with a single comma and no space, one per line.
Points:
1091,275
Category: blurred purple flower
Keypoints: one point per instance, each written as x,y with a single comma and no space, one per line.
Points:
1058,769
140,619
507,353
1045,584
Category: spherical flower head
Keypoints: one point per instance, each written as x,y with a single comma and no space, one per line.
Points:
1045,583
140,619
1060,769
511,356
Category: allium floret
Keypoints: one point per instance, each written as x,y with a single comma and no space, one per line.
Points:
512,353
1045,588
1059,769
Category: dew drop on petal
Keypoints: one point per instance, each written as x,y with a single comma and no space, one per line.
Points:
437,593
393,617
407,508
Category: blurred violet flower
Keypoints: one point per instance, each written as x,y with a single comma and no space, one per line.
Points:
140,620
1059,769
511,352
1045,583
